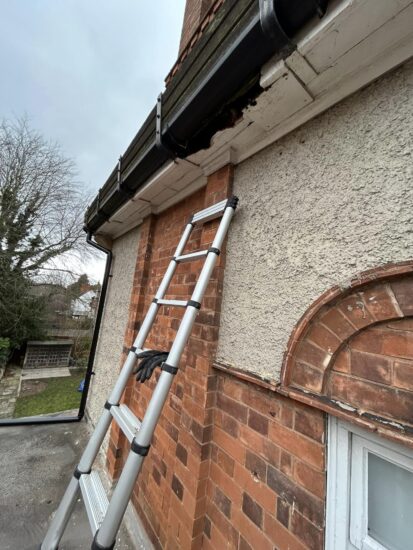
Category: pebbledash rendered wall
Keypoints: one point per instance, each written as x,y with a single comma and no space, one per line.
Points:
331,199
112,331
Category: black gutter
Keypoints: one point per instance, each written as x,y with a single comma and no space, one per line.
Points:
46,419
217,80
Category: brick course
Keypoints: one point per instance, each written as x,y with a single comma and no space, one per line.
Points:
353,350
195,12
267,474
197,16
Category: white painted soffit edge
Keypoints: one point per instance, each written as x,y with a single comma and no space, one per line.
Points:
169,185
355,43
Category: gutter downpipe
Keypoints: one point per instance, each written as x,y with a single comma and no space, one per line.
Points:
98,322
47,419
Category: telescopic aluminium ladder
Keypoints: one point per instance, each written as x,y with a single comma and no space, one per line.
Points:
105,517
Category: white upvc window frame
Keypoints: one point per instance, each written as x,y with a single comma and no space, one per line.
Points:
347,494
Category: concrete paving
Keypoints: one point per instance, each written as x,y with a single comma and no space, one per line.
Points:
9,389
36,463
49,372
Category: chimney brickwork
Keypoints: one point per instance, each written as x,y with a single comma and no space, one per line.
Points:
195,11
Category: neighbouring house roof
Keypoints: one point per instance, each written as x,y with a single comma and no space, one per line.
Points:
50,342
46,289
212,84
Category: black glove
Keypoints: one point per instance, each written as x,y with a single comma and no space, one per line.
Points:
149,361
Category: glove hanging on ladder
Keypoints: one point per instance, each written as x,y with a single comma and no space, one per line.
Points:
150,360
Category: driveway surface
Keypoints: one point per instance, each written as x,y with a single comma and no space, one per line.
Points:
36,463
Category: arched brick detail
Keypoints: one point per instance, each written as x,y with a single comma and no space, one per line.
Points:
353,349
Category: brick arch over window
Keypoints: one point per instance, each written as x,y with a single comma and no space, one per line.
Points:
352,351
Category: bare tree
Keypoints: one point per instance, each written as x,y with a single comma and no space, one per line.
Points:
41,214
41,205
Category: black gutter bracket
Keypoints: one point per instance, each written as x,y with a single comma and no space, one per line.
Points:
173,149
99,209
121,186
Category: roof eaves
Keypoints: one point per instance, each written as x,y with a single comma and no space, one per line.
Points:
218,78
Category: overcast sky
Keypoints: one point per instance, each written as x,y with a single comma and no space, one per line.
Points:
86,72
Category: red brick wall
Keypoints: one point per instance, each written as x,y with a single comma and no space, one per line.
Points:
353,350
171,493
195,11
231,464
198,15
267,475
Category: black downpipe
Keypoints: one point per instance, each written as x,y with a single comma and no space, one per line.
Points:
32,420
98,321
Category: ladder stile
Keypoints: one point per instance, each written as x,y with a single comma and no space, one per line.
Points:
61,517
105,517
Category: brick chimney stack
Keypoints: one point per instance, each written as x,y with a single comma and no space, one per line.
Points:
195,11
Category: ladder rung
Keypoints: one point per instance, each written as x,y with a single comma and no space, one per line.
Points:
210,213
95,499
192,256
126,420
176,303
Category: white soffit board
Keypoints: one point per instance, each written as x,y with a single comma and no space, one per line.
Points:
166,184
286,97
176,184
370,52
348,25
356,42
